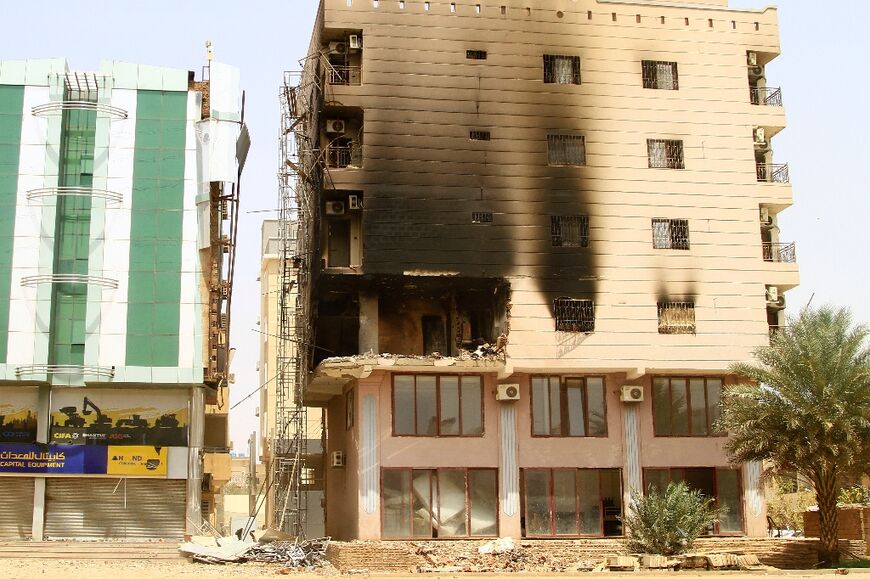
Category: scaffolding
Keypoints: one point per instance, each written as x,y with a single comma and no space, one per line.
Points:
299,182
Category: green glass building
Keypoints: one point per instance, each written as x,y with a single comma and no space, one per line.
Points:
118,191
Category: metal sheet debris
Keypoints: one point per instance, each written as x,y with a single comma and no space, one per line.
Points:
307,554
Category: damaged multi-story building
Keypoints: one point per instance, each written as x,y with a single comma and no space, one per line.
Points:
533,238
119,189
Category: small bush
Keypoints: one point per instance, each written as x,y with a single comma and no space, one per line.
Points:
854,495
667,523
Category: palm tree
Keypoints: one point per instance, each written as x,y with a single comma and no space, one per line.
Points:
805,407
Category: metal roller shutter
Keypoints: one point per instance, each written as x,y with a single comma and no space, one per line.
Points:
91,508
16,507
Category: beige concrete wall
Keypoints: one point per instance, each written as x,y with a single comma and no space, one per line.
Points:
422,176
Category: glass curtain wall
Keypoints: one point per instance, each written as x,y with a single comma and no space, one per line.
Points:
72,232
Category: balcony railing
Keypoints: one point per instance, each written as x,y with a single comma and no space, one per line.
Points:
341,156
343,75
771,97
772,173
779,252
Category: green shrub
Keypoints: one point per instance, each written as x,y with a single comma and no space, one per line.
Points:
854,495
667,523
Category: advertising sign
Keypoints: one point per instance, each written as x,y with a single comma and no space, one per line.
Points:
18,414
44,459
114,417
137,460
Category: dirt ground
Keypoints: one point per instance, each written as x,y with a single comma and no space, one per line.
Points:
100,569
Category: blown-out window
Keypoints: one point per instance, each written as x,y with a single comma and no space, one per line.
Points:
574,315
560,69
676,317
438,503
569,230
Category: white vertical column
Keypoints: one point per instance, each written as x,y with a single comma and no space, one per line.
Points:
509,472
194,459
118,219
752,488
369,454
631,449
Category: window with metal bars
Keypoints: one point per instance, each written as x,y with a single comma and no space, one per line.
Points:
560,69
479,135
569,230
566,150
670,233
676,317
665,154
481,216
660,75
475,54
574,315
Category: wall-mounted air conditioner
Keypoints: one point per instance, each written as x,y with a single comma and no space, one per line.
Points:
631,394
507,392
337,48
337,459
335,126
335,208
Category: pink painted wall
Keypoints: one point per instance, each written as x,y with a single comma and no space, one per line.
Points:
342,484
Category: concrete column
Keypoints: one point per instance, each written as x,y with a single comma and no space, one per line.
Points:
368,322
43,423
631,451
509,472
196,435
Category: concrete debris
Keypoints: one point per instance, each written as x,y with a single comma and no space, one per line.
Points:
300,554
501,545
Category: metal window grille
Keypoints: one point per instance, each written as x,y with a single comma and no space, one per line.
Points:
481,217
665,154
573,315
660,75
560,69
670,233
566,150
479,135
676,317
475,54
569,230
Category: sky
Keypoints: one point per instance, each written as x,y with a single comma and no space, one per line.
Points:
821,71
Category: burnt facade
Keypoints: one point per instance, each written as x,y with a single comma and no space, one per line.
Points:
538,237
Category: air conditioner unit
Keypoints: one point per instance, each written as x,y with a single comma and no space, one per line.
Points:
752,58
354,41
759,136
631,394
337,48
335,126
337,459
772,294
354,203
756,71
506,392
335,207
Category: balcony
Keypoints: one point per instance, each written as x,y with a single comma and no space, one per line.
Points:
343,75
765,96
771,173
779,252
341,156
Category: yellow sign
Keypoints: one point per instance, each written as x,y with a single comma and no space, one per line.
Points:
137,460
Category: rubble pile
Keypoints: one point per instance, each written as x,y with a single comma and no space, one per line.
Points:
309,554
500,555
